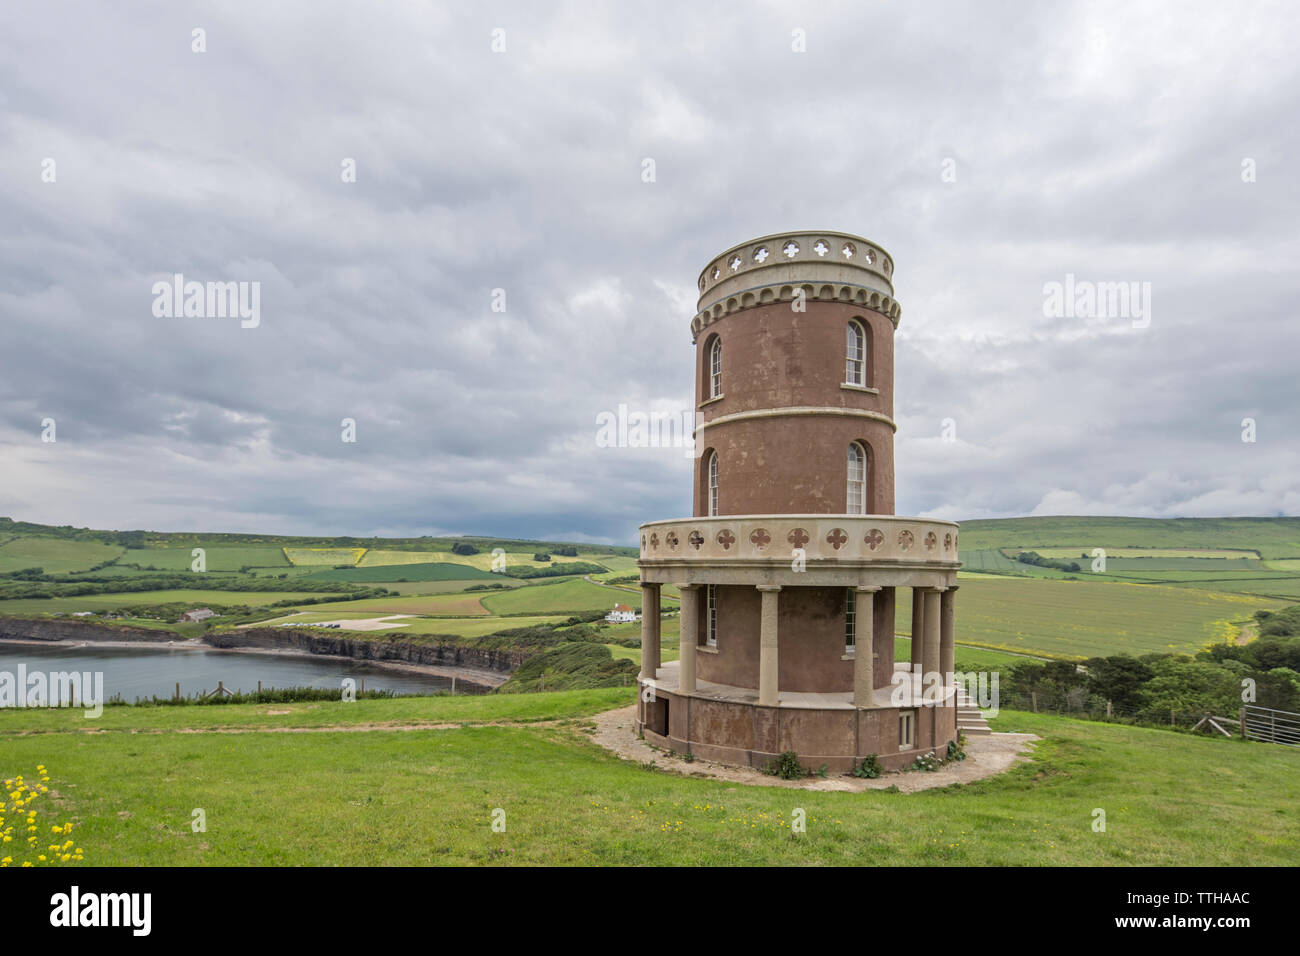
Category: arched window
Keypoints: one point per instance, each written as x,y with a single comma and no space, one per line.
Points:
715,369
713,485
855,357
857,475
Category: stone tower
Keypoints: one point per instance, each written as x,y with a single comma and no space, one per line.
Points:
789,567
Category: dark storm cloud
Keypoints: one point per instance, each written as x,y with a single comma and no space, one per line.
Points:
1101,141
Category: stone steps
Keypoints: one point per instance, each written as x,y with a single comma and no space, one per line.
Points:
969,719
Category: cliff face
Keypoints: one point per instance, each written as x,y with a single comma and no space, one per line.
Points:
306,640
64,629
313,641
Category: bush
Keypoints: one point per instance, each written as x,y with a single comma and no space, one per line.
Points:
786,766
462,548
869,768
927,762
542,557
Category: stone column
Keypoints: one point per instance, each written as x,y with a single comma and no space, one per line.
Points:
931,658
649,630
864,642
768,663
690,616
947,643
918,629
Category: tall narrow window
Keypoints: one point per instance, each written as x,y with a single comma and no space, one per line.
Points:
715,369
906,729
713,485
850,615
857,475
855,365
711,636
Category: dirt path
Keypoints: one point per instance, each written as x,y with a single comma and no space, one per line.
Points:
986,757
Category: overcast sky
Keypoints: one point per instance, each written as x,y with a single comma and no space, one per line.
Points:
991,148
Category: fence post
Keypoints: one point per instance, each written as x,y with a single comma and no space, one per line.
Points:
1241,716
178,690
1108,710
1171,716
259,687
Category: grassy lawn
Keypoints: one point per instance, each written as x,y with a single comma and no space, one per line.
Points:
427,796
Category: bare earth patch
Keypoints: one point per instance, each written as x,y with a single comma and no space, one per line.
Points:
986,756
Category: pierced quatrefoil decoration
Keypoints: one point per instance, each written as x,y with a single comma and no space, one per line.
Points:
821,248
696,539
761,254
798,537
672,540
726,539
874,538
931,540
735,263
947,541
759,538
906,539
790,249
836,538
654,542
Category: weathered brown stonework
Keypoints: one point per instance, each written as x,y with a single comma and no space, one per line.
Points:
783,548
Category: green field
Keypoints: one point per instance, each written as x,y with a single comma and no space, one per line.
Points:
217,558
333,797
1078,619
437,571
1082,553
55,555
572,594
1270,537
327,557
198,598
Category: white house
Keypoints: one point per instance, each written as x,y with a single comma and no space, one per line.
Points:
622,614
200,614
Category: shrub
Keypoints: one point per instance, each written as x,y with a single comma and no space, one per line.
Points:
869,768
786,766
927,762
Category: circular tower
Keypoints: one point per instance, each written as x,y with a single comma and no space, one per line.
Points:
789,566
